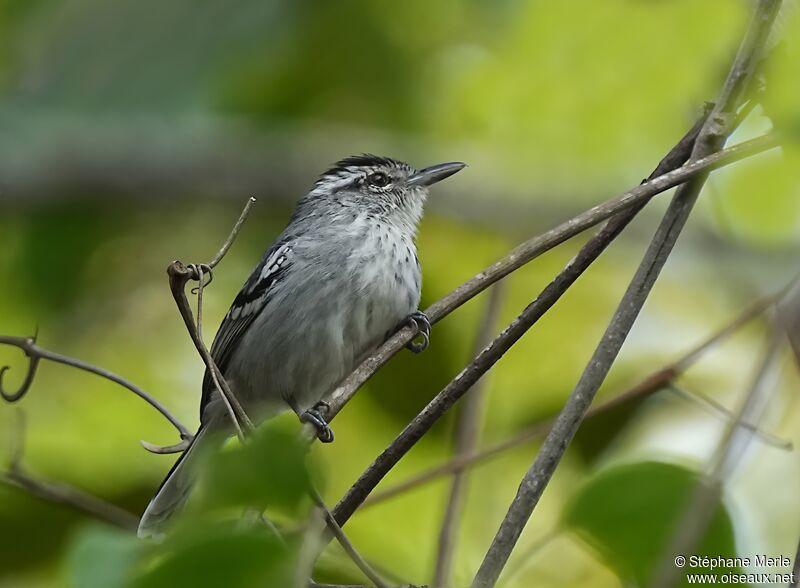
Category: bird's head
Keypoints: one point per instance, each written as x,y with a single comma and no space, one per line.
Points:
378,186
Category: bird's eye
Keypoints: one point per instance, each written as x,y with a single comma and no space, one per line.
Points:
378,179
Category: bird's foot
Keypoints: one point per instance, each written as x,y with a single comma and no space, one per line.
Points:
316,417
419,321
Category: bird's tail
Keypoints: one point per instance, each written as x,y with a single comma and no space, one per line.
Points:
175,488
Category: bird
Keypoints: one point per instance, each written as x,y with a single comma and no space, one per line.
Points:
340,279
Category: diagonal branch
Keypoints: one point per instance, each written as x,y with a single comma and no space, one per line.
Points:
711,139
653,382
59,493
493,352
348,547
467,431
535,247
76,499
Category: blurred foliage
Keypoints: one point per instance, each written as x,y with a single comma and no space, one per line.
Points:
203,550
131,134
266,472
620,506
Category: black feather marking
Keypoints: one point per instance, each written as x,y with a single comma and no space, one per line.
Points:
363,160
256,291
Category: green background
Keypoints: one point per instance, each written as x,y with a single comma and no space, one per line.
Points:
131,133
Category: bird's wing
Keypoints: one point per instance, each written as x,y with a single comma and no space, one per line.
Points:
248,304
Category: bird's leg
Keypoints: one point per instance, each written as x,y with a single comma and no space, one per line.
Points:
418,321
316,417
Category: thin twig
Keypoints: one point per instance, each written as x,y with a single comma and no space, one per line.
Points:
59,493
718,409
36,353
309,548
315,585
652,382
467,431
789,317
348,547
72,497
234,233
711,139
199,289
167,449
457,387
703,503
530,250
179,275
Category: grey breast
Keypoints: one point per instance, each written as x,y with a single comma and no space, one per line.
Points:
343,296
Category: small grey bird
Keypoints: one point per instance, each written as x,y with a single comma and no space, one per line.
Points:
340,279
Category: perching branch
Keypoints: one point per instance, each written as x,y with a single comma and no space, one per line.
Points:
711,139
35,354
533,248
491,354
467,431
649,384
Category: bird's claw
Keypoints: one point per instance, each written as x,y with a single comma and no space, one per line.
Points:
419,321
316,418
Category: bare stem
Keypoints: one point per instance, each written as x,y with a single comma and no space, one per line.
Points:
711,138
467,431
705,499
652,382
492,353
530,250
233,234
36,353
346,544
72,497
179,274
60,493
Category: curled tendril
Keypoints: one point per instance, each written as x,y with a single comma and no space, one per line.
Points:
199,272
166,449
33,365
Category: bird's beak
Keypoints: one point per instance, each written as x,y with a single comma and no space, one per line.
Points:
435,173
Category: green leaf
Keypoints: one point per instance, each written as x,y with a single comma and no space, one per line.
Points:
760,198
267,471
220,554
629,512
101,557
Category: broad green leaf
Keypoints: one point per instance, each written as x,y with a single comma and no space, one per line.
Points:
101,557
219,555
267,471
629,512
